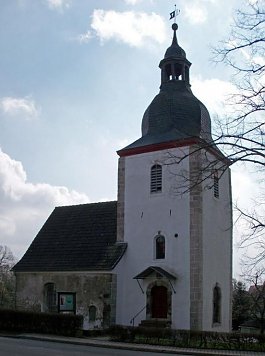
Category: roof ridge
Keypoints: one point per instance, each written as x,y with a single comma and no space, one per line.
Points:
82,204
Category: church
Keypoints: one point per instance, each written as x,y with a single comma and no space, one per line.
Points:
162,253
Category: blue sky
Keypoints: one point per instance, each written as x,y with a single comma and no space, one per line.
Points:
76,78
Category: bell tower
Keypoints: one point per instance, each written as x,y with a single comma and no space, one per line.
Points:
175,66
177,269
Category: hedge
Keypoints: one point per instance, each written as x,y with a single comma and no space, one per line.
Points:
46,323
188,338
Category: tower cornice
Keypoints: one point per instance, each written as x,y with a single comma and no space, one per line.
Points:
210,147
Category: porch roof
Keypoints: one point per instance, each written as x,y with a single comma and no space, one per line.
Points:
160,271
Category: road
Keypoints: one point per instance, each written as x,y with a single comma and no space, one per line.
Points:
23,347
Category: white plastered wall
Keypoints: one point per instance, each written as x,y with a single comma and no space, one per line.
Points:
147,214
217,253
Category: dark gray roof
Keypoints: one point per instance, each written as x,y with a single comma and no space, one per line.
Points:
160,271
174,114
175,50
76,238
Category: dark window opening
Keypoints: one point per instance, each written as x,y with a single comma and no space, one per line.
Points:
50,297
156,179
92,313
160,247
174,71
178,72
217,305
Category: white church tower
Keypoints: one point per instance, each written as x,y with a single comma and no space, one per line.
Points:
174,212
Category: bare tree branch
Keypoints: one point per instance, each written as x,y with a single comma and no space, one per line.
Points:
241,135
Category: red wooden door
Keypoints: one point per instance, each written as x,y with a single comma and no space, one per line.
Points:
159,302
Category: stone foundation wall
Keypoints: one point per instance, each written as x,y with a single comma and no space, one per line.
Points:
92,289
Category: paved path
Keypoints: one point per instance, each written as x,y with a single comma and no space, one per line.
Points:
104,342
27,347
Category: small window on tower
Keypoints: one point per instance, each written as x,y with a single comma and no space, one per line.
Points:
156,178
216,185
160,247
216,305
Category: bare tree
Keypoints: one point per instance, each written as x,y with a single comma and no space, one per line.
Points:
243,136
7,280
241,304
240,135
252,239
257,299
244,52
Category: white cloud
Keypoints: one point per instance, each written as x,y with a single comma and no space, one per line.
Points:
58,4
195,13
246,190
25,206
133,28
84,37
132,2
7,225
214,93
24,107
245,186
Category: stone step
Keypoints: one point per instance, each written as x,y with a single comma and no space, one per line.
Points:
155,323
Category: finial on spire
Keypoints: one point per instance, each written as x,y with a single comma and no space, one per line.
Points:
174,28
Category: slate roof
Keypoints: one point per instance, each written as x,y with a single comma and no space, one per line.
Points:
175,50
76,238
174,114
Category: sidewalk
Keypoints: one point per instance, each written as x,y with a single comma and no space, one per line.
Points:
104,342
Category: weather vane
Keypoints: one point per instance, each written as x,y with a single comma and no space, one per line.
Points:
174,14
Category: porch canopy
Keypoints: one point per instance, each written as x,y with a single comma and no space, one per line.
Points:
160,272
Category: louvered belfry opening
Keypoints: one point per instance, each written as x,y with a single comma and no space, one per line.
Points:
156,178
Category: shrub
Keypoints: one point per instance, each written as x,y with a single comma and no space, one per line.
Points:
120,333
188,338
47,323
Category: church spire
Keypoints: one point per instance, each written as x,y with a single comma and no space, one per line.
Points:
175,114
175,66
174,28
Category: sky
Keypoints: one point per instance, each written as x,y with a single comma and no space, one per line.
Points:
75,79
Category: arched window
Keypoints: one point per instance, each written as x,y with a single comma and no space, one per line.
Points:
156,178
92,313
160,247
217,304
50,297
